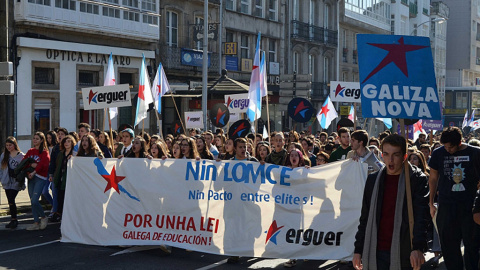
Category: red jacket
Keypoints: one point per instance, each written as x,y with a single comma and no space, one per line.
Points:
43,160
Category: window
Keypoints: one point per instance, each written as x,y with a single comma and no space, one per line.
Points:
448,100
244,49
45,75
272,10
87,78
111,12
88,8
172,29
199,44
40,2
130,3
295,61
150,5
150,19
231,5
461,100
326,68
245,6
403,25
344,76
229,37
66,4
311,66
272,51
131,16
42,114
258,8
311,17
111,1
326,14
296,10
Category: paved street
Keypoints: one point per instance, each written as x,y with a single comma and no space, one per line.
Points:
21,249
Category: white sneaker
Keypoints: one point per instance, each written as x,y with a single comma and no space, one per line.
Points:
33,227
43,223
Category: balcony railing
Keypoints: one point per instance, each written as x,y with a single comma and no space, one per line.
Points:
171,59
319,90
312,33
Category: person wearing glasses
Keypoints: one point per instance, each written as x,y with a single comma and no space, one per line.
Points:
322,158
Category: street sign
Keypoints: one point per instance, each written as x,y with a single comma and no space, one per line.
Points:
198,32
230,48
345,92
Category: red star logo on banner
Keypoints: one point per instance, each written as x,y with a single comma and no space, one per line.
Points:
396,54
112,180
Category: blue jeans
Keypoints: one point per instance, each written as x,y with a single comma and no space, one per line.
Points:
46,193
35,188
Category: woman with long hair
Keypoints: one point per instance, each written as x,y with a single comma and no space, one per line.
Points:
177,150
220,140
139,149
60,176
104,139
89,147
229,150
10,159
418,159
38,179
52,140
293,137
262,151
189,148
297,145
158,149
203,150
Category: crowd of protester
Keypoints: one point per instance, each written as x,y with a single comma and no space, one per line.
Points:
45,167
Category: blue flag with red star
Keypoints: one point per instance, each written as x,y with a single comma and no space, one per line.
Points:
397,78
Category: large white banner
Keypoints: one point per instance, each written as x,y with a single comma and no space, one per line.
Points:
232,208
106,97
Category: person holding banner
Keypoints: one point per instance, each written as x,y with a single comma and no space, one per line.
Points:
126,144
229,150
454,171
104,139
202,150
383,237
189,149
139,149
177,150
212,148
60,176
220,140
263,150
279,154
89,147
158,150
38,179
241,150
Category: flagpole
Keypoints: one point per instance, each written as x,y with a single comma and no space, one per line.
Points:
268,118
110,125
178,113
354,116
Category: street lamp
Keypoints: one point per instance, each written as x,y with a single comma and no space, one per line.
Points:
439,20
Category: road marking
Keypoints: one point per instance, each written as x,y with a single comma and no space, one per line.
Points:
135,249
213,265
33,246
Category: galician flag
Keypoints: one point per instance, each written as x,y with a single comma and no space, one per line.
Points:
418,129
475,124
160,87
327,114
471,118
255,91
386,121
352,116
110,80
465,120
144,94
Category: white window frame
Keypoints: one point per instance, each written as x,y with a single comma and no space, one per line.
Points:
170,28
247,48
272,51
296,10
259,9
273,10
233,3
245,6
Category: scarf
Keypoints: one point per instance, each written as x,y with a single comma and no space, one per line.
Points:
369,256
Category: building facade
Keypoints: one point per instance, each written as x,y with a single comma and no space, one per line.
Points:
62,46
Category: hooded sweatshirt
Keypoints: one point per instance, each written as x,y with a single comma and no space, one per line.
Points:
7,181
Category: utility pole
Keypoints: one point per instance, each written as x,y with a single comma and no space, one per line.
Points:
205,64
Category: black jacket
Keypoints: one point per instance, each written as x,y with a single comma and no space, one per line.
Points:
420,191
476,204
